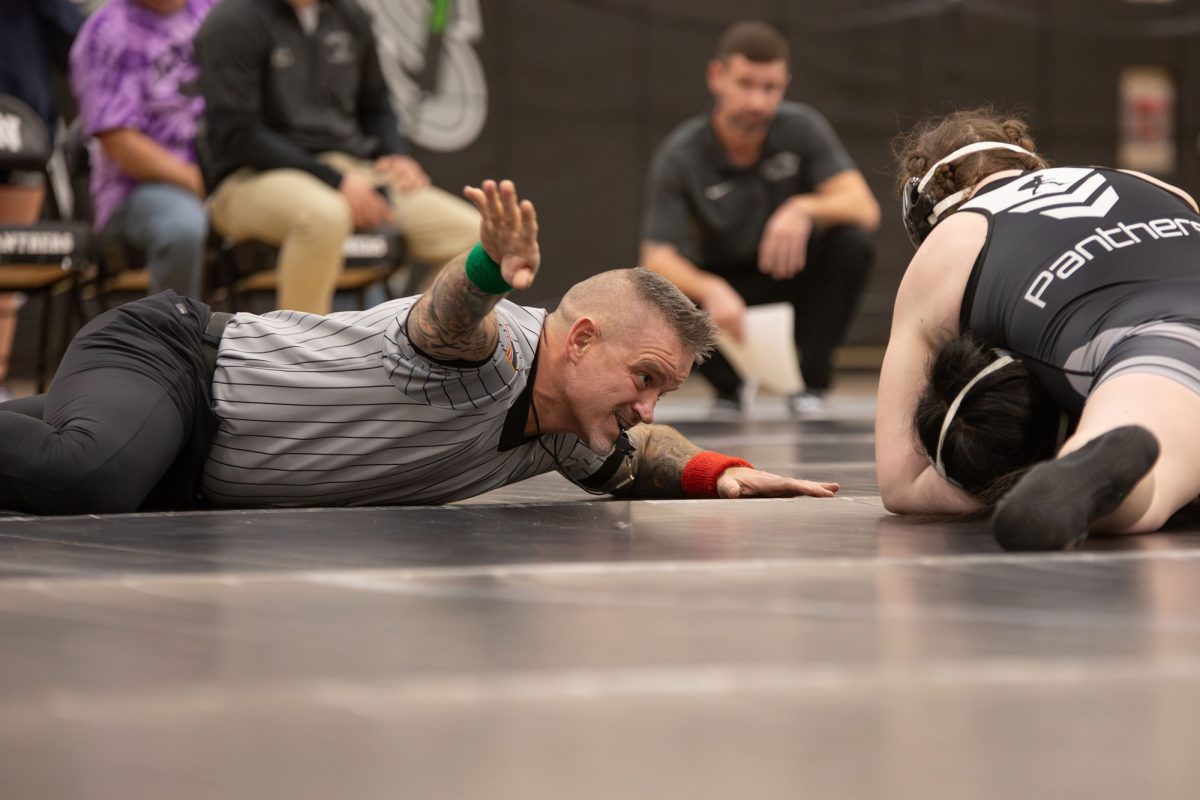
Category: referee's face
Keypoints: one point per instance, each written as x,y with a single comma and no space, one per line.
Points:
622,378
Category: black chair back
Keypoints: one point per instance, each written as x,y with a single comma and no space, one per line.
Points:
44,259
24,140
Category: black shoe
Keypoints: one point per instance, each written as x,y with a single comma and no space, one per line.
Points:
1050,508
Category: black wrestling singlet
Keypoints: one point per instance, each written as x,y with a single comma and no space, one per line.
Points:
1077,262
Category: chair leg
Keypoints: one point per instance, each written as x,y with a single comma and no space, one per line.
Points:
75,310
101,284
228,274
78,306
43,343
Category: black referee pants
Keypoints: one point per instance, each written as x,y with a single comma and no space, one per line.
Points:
823,296
113,433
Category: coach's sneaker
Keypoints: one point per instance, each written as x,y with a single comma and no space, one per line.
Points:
1050,508
809,404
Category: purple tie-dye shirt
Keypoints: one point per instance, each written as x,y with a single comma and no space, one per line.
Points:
132,67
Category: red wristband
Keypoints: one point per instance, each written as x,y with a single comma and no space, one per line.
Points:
701,473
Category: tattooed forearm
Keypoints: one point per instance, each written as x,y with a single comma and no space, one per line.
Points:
453,320
662,453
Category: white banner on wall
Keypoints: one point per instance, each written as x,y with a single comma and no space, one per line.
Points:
427,51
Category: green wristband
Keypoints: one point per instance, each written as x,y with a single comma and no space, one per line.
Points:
485,273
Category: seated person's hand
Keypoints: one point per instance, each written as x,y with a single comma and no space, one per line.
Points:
749,482
783,250
367,206
403,172
725,306
195,182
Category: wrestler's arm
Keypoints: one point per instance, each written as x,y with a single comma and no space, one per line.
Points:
454,319
663,453
926,314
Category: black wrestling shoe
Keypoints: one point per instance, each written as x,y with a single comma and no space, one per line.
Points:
1050,508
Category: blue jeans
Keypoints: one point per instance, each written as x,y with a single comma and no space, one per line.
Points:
168,224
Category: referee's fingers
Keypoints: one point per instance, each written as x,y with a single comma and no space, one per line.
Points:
495,207
476,196
529,218
508,200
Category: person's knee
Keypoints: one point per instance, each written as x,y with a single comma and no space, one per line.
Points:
849,247
325,217
281,207
466,226
179,230
175,252
100,497
69,479
436,225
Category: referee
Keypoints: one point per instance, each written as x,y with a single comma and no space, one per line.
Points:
162,403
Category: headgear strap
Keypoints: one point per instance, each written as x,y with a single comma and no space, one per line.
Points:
966,150
1000,362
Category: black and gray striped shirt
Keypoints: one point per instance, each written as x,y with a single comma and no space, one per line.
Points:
343,410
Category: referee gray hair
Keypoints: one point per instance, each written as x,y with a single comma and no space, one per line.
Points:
608,295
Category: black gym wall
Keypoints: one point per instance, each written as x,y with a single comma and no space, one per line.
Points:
574,95
581,91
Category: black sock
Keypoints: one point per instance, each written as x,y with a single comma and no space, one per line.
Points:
1051,507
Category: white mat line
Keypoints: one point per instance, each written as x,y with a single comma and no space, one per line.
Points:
379,698
349,575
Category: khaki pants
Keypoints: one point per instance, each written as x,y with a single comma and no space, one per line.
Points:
308,220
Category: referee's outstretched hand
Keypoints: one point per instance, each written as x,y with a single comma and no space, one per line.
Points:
749,482
507,230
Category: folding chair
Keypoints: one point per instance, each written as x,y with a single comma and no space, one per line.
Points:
42,259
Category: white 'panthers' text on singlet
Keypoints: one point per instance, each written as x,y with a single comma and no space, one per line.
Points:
1087,273
343,410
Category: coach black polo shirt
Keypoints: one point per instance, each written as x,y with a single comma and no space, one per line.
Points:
714,212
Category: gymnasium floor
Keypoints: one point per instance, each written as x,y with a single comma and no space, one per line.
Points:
539,643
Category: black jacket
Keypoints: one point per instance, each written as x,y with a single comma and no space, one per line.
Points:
275,97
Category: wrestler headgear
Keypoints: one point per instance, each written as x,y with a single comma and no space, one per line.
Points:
1003,360
920,210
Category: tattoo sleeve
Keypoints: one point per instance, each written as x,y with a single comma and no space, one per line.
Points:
662,453
453,320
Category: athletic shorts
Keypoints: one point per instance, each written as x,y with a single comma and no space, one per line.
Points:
1168,349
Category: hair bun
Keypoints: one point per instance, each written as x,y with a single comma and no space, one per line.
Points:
1017,132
